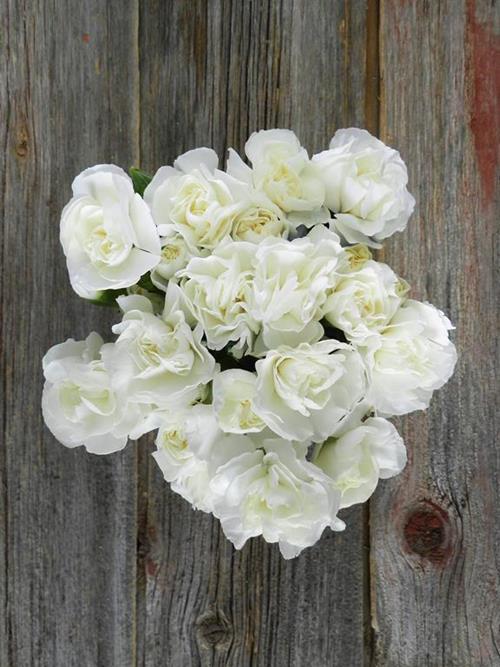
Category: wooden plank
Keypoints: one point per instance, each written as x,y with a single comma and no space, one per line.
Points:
211,73
434,530
68,522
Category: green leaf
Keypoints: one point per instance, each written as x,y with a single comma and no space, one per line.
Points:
140,180
108,297
146,283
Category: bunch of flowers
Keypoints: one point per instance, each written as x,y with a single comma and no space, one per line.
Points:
258,334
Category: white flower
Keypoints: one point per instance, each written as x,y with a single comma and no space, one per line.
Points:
158,359
219,291
191,199
190,448
268,490
365,184
360,457
79,404
281,168
411,358
306,392
290,286
107,232
188,474
257,219
255,216
357,256
363,302
157,300
175,255
234,392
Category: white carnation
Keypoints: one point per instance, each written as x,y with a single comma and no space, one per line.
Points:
411,358
356,256
268,490
257,219
192,200
255,216
281,168
360,457
364,301
219,291
307,392
188,474
158,359
107,232
365,185
175,256
290,286
190,449
234,392
247,263
79,404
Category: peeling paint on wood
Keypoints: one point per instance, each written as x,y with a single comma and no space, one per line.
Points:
434,532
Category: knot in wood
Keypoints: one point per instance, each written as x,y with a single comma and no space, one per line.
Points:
214,630
22,149
22,139
427,533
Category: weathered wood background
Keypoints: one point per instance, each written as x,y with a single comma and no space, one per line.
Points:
100,564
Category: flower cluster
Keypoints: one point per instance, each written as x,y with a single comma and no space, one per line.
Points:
258,335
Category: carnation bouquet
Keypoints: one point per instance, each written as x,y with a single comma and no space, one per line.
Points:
258,335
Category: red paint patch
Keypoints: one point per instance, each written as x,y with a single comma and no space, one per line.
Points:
151,567
86,37
484,64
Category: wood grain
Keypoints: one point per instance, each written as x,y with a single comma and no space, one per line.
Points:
68,519
211,77
100,564
434,530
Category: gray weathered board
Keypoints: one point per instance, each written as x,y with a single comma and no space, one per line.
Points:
100,564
